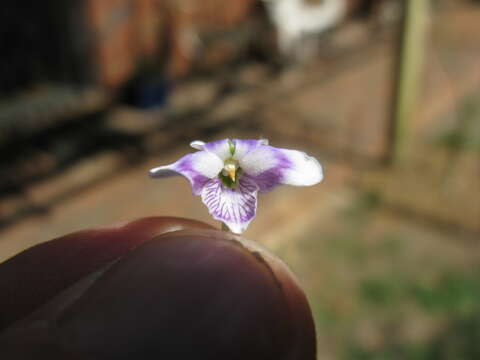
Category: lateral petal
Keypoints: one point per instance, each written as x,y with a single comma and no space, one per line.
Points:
197,168
269,166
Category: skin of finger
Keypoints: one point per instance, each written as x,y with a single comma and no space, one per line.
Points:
199,294
302,343
37,274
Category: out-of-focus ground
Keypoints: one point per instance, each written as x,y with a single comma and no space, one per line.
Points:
389,256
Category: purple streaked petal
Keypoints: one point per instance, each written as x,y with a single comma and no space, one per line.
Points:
221,148
235,206
242,147
268,167
197,168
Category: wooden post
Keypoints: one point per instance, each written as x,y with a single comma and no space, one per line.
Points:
412,51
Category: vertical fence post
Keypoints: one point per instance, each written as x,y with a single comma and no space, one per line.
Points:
412,49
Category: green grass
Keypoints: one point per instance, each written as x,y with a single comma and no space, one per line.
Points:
373,279
466,134
454,298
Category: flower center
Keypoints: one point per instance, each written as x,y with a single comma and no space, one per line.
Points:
230,172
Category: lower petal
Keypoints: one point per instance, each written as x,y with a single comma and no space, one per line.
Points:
236,206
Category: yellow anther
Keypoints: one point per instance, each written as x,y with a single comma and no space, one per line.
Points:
230,170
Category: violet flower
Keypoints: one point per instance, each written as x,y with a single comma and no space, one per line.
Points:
228,174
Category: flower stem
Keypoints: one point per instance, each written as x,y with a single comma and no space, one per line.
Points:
225,227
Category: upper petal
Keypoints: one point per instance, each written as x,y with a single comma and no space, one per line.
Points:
221,148
242,147
235,206
269,166
197,168
198,145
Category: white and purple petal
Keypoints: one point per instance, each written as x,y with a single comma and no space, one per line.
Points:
197,168
243,147
235,206
268,167
221,148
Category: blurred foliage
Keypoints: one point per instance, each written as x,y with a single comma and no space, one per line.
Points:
383,289
455,294
454,297
466,133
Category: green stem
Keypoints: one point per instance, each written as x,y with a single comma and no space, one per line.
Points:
408,83
225,227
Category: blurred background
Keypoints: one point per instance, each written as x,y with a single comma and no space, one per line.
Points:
385,93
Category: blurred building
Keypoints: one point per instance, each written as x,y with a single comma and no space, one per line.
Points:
103,41
74,41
